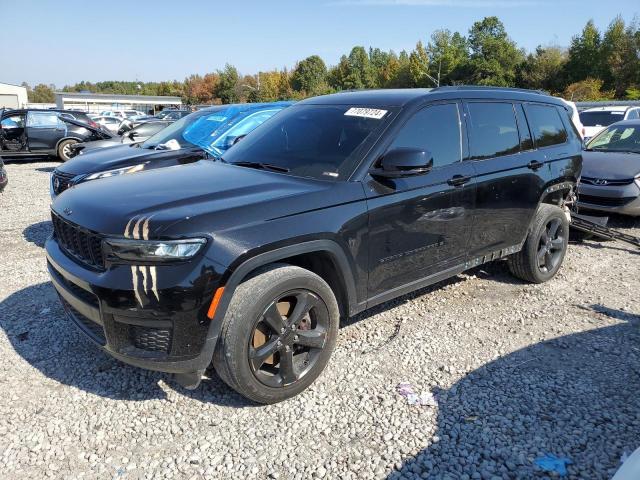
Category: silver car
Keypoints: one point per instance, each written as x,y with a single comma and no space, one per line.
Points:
611,170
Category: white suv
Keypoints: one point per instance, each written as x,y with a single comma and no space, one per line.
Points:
597,119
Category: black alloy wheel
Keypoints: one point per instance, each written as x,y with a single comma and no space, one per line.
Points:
551,246
288,338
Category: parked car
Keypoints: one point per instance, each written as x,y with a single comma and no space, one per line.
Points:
111,123
575,117
139,134
4,178
336,204
28,133
611,170
597,119
204,134
121,113
167,115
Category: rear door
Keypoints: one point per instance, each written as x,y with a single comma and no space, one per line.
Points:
13,137
419,225
44,130
508,174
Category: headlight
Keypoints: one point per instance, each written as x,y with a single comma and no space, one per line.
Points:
155,250
116,171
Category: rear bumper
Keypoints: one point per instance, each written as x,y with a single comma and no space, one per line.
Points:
170,332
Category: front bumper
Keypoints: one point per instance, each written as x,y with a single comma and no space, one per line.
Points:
622,199
168,332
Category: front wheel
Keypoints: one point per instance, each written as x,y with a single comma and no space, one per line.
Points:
278,333
64,149
545,247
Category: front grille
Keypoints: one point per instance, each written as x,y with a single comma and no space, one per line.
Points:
150,339
605,201
88,326
61,181
80,244
605,181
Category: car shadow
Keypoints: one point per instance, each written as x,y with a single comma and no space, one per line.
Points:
39,331
574,397
45,169
38,233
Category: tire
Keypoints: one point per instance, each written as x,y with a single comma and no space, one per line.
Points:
63,149
545,247
262,335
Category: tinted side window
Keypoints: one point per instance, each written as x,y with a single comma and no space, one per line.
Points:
146,130
435,129
546,125
526,142
493,130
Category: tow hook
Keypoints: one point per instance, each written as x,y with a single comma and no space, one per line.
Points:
189,380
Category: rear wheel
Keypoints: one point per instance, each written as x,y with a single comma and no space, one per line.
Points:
64,149
278,333
545,246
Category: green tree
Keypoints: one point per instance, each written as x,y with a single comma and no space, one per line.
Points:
619,53
494,56
448,53
41,93
228,85
544,69
587,90
310,76
353,72
584,55
419,67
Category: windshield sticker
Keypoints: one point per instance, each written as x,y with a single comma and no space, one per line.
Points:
366,113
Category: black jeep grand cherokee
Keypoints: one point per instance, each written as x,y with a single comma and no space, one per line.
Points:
337,204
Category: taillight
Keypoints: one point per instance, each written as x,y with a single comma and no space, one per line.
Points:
93,124
583,131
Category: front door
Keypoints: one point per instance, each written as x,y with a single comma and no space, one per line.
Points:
13,135
419,225
44,129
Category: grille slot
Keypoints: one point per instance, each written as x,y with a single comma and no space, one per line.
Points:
88,326
80,244
150,339
605,201
61,181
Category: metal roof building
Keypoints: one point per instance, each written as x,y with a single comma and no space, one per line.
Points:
12,96
96,102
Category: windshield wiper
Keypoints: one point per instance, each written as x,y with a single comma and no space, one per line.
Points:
263,166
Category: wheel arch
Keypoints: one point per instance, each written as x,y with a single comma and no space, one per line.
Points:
323,257
78,139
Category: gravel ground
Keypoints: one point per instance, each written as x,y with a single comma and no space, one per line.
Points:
518,371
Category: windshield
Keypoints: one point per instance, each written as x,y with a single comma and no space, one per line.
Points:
200,124
318,141
600,119
621,138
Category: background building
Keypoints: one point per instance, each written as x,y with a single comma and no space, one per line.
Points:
12,96
97,102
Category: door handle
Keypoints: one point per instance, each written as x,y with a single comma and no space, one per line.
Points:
535,164
458,180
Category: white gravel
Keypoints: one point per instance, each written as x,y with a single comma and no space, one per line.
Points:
518,371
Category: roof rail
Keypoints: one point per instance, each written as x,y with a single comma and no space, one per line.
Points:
484,87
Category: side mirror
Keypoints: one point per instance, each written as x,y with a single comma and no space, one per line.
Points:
403,162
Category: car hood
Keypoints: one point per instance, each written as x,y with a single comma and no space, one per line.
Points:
119,155
610,165
196,199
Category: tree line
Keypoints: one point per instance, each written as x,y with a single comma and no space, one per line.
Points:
595,66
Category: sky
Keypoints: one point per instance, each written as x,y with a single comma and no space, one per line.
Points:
64,42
